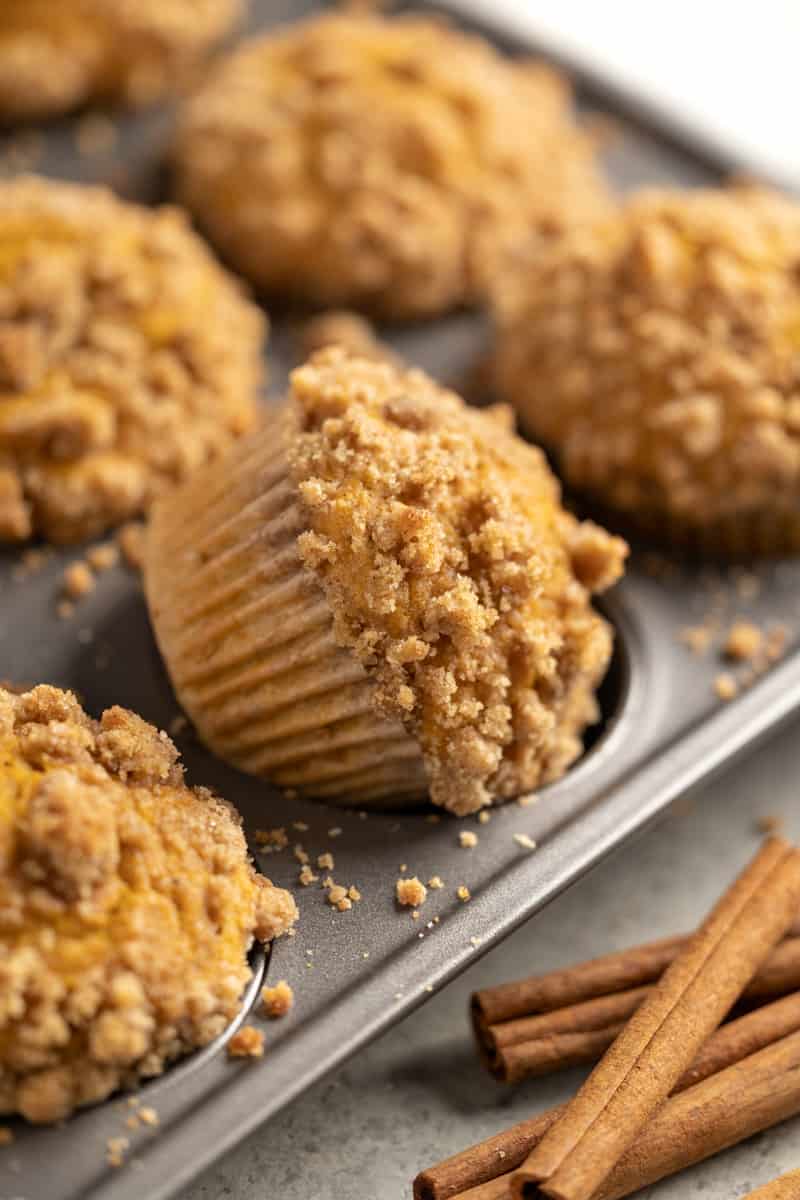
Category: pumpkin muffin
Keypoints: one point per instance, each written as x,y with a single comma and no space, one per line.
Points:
657,354
383,597
371,162
57,55
128,358
127,905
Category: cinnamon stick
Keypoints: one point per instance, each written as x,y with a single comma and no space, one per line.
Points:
746,1098
503,1152
580,1033
613,974
785,1188
580,1151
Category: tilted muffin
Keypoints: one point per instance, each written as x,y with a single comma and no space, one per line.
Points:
56,55
382,597
368,161
658,355
127,905
128,357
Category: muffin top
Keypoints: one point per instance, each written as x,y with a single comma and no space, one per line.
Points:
127,357
453,573
374,158
659,352
127,905
55,56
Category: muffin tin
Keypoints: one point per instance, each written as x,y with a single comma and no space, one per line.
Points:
663,731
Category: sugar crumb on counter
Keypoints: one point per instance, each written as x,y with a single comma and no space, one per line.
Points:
278,1000
463,893
467,839
411,893
247,1042
435,882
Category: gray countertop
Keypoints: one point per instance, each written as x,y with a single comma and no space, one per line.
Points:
418,1094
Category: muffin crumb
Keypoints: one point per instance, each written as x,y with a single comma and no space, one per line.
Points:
277,1000
410,893
247,1042
463,893
77,580
467,839
744,641
726,686
6,1135
116,1148
103,556
525,841
435,883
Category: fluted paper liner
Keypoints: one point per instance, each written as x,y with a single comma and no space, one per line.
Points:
247,636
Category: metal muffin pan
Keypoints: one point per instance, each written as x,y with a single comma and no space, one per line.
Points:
355,973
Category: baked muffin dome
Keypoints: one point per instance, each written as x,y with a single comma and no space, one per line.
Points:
369,161
127,905
383,599
128,357
658,354
56,55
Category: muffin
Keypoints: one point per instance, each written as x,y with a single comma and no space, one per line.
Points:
381,597
657,354
370,162
128,358
56,55
127,905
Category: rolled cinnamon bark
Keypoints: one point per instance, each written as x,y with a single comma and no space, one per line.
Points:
746,1098
785,1188
512,1064
580,1151
504,1151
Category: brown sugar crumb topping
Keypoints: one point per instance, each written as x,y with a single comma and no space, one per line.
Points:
77,580
411,893
277,1000
452,573
247,1042
110,862
397,163
657,352
128,358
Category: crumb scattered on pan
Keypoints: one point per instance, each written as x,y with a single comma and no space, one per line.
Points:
325,861
306,876
744,641
148,1115
463,893
725,686
6,1135
64,610
353,893
435,882
338,898
467,839
247,1042
77,580
115,1150
300,826
484,816
527,800
525,841
271,840
301,854
475,941
103,556
335,832
411,892
277,1000
31,562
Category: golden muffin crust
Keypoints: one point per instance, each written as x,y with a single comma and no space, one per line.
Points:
452,572
369,161
128,358
56,55
658,353
127,905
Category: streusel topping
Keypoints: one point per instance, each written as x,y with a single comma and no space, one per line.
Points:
452,572
659,353
127,905
55,56
128,358
364,160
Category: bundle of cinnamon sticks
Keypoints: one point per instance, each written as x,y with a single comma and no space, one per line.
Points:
673,1085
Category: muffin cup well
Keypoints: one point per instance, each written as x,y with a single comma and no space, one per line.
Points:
247,636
